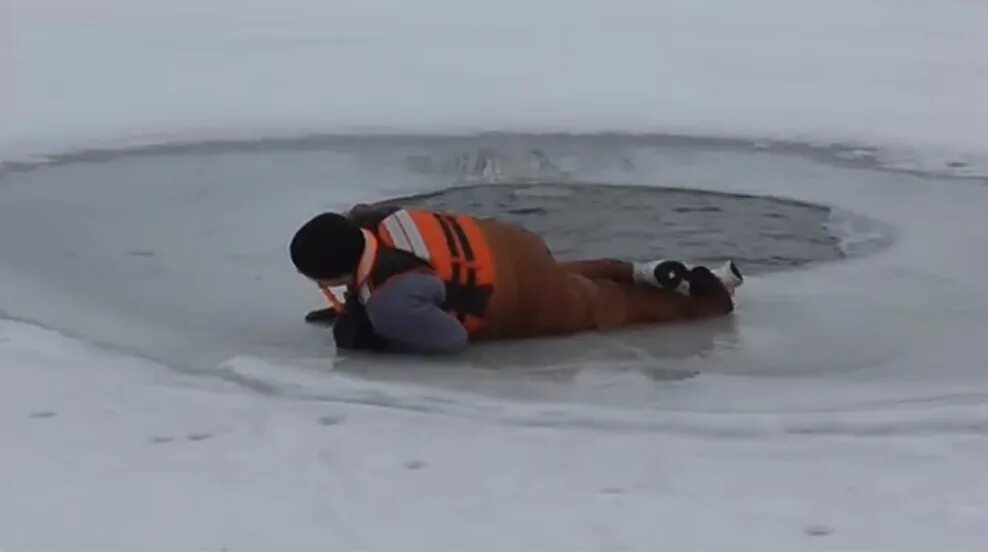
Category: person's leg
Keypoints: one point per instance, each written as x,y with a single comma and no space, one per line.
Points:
606,269
575,303
619,304
536,295
665,274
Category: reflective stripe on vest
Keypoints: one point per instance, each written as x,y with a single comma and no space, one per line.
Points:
456,249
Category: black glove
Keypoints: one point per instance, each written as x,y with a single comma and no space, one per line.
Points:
322,316
353,329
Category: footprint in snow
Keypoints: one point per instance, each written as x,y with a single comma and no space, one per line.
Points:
161,439
331,419
817,530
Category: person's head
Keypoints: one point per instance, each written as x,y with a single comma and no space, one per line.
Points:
327,249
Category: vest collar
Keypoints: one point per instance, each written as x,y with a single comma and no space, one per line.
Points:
367,261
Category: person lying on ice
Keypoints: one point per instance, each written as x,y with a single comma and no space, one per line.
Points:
429,282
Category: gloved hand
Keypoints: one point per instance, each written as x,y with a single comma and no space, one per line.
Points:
352,329
324,316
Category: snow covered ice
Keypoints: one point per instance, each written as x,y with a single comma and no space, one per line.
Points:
158,400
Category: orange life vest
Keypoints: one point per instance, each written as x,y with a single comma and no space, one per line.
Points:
453,245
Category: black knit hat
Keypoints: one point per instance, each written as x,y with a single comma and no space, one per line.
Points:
327,247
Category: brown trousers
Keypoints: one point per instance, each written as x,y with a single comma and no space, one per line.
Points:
535,295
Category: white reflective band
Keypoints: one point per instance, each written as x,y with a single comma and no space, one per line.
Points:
398,236
414,236
406,235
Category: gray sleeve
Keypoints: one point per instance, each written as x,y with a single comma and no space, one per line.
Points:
407,313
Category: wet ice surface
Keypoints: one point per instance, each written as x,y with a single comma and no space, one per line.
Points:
587,221
181,257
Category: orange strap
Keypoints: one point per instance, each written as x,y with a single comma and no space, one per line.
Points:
366,264
368,259
334,302
453,245
462,258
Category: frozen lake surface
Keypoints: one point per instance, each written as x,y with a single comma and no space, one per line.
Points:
179,255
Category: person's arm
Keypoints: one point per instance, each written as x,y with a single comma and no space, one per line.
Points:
406,312
324,316
352,328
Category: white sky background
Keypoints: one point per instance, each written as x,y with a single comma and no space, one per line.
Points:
903,74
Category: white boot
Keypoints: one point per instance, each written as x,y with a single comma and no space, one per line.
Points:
664,274
729,274
674,275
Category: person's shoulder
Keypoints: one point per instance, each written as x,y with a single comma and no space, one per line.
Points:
369,216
